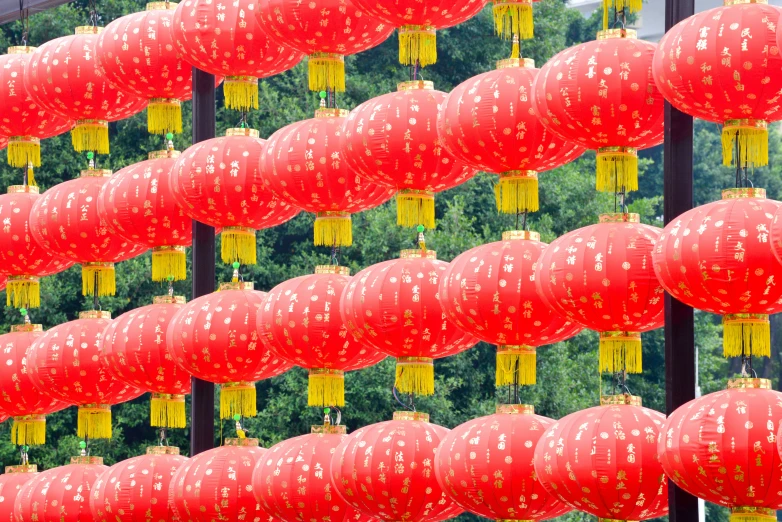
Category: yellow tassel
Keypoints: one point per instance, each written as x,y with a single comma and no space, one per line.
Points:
91,135
515,51
333,229
23,292
326,387
167,411
752,138
164,115
241,92
29,430
94,421
417,44
169,261
517,192
513,17
752,514
24,151
415,207
237,398
620,351
617,169
748,334
105,276
238,244
516,365
31,176
326,72
415,375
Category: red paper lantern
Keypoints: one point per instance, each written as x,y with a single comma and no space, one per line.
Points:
326,31
720,65
232,43
488,122
215,338
722,447
137,489
485,466
718,258
387,470
217,484
218,182
11,483
60,494
135,351
304,165
604,461
64,78
601,276
138,204
66,222
65,363
489,292
393,140
23,121
601,95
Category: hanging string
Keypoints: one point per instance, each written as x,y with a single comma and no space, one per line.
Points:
24,18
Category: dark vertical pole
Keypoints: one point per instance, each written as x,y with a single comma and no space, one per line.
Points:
202,413
680,355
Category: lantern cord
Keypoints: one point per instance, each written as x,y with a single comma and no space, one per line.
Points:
24,17
23,457
336,255
163,437
410,402
93,13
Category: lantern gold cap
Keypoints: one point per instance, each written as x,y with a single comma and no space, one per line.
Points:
749,383
161,6
246,131
26,468
529,235
21,49
95,314
610,34
27,327
246,443
95,173
620,400
161,154
738,2
411,416
169,299
332,269
417,253
87,460
619,217
329,429
515,409
237,285
88,29
326,112
18,189
162,450
516,63
415,85
744,192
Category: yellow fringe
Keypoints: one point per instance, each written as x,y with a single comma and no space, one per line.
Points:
169,262
617,355
238,244
240,95
511,364
164,116
415,377
516,194
94,423
746,336
29,430
326,389
22,153
23,293
616,171
167,411
333,230
414,208
326,73
106,282
237,398
515,51
417,44
31,176
91,136
513,19
753,146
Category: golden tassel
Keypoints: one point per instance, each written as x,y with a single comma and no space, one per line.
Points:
241,92
238,244
746,334
326,72
169,261
164,115
23,151
31,176
517,192
237,398
620,351
415,375
752,514
29,430
333,229
23,292
415,207
94,421
105,275
513,17
326,387
516,365
417,45
91,135
515,51
617,169
167,411
752,138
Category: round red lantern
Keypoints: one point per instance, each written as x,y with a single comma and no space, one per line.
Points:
232,43
135,352
719,65
601,95
22,120
137,489
60,494
393,307
489,292
215,338
217,484
11,483
303,164
393,140
485,466
138,204
387,470
326,31
718,258
601,277
64,78
604,461
218,182
488,122
722,447
65,363
66,222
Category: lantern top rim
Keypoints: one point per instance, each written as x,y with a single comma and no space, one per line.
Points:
19,189
727,3
415,85
242,131
620,32
161,154
619,217
329,429
87,459
87,29
95,314
27,327
514,235
513,63
744,193
169,299
417,253
162,450
326,112
236,285
161,6
411,416
515,409
243,443
332,269
620,400
25,468
95,173
21,49
749,383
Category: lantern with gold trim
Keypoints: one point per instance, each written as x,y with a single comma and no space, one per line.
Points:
719,258
64,78
135,352
11,483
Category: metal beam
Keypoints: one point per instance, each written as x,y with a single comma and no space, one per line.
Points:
10,12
